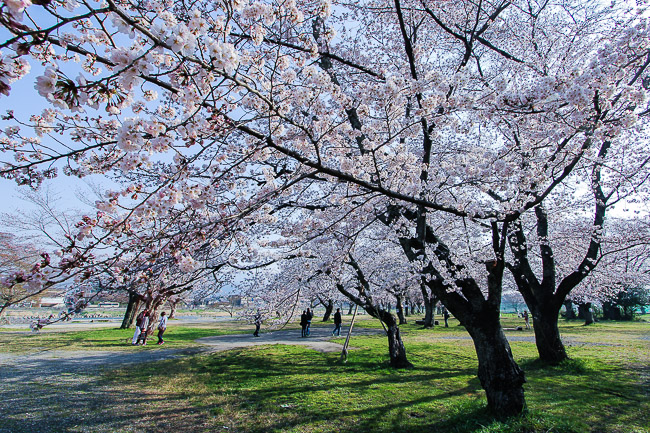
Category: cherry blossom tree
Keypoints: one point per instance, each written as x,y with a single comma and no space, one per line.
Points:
569,252
15,257
225,115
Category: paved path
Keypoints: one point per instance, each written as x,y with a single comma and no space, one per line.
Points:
17,367
318,339
21,367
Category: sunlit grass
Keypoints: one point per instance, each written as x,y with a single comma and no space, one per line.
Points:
293,389
603,388
111,338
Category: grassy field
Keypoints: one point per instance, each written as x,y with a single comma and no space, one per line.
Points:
21,341
604,388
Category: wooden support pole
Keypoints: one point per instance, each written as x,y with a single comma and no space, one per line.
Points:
344,352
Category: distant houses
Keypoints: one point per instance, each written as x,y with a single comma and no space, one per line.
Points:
51,302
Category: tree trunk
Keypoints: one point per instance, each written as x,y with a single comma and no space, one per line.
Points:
396,349
400,310
429,309
407,309
585,313
498,372
570,312
611,311
350,309
547,335
329,307
131,310
172,306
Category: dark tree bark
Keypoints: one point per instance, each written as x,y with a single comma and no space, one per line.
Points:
131,310
430,302
351,307
547,335
570,312
400,310
611,311
545,297
585,313
500,376
396,349
172,305
329,307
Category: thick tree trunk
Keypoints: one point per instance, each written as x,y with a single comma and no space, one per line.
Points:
547,335
429,309
585,313
400,310
131,310
396,349
498,372
329,307
611,311
570,312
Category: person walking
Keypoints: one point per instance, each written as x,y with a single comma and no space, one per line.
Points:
526,319
258,323
337,323
162,327
303,323
445,315
138,326
310,316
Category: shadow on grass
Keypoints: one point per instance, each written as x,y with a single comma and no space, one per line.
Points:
292,389
296,390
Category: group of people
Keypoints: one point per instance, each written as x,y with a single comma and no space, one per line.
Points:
142,328
308,315
305,322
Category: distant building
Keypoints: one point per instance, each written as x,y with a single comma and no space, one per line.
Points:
58,302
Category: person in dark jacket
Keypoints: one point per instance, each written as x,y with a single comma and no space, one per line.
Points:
310,316
445,315
258,323
303,323
144,328
139,321
337,322
526,319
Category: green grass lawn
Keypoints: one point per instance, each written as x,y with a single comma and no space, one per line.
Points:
184,336
604,388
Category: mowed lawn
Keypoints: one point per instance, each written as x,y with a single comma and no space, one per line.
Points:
604,387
